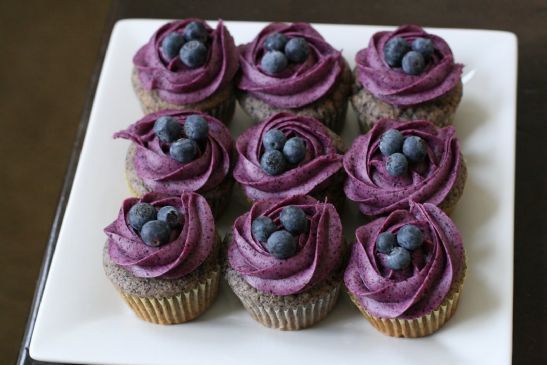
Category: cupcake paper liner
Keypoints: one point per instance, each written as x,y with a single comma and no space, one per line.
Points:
417,327
295,317
179,308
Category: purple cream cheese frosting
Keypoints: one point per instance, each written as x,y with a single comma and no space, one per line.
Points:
162,173
322,160
392,85
430,181
422,286
184,254
300,84
179,84
319,252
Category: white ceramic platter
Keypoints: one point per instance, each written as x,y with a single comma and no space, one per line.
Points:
82,320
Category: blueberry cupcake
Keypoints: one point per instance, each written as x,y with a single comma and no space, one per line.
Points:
187,65
396,162
174,151
284,261
406,74
406,271
289,155
291,68
162,256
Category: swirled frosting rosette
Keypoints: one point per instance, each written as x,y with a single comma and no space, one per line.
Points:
321,165
151,168
392,85
427,85
438,179
294,292
417,300
163,83
169,283
318,87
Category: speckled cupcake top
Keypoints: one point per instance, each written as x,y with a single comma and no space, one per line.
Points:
394,86
298,85
163,174
421,287
179,84
319,252
321,162
429,181
173,260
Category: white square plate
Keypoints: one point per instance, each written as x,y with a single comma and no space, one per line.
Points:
82,320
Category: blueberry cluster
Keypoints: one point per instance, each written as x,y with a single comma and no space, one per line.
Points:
280,152
397,248
169,131
280,50
411,58
155,227
400,150
281,244
190,45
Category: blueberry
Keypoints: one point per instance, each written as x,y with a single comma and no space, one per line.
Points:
424,46
141,213
394,50
410,237
171,44
195,31
155,233
391,142
414,148
398,258
167,129
295,150
170,215
184,150
262,227
396,164
281,244
274,139
196,127
193,54
294,220
273,62
273,162
275,42
413,63
297,50
385,242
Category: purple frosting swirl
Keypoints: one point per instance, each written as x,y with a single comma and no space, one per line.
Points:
319,254
321,162
392,85
181,256
300,84
370,185
163,174
179,84
421,287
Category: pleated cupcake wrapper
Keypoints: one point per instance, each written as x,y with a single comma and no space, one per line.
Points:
293,317
179,308
418,327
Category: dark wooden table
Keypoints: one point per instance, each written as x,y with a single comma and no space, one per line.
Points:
527,19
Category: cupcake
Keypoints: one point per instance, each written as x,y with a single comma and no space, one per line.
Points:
162,257
175,151
187,65
291,68
406,271
289,155
284,261
396,162
406,74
